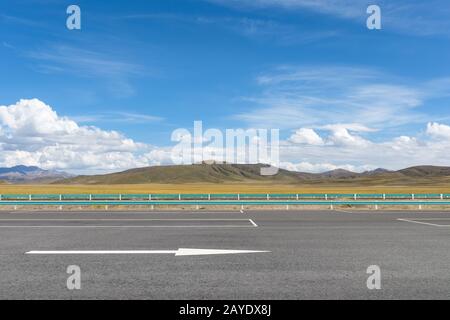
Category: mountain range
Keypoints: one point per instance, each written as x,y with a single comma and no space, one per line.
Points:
230,173
250,173
25,174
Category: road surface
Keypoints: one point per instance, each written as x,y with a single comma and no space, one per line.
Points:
304,254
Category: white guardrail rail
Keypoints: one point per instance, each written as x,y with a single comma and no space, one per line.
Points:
225,199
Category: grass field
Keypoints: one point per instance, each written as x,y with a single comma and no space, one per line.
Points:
215,188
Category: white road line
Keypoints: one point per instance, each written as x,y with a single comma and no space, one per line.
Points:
98,226
101,252
359,211
101,219
393,227
344,211
153,211
150,212
179,252
253,223
427,219
425,223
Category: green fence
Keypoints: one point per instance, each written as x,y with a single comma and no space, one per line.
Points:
215,197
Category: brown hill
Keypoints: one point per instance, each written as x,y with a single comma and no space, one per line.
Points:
338,174
426,171
196,173
250,173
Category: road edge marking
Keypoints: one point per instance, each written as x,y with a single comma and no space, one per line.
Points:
253,223
424,223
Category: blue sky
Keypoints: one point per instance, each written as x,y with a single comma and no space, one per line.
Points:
342,95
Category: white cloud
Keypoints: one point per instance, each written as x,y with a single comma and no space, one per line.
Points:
315,97
276,31
114,72
31,124
32,133
342,8
85,62
403,143
343,149
342,136
117,117
322,167
399,16
357,127
306,136
438,130
293,97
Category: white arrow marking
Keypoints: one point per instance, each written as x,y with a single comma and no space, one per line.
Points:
179,252
201,252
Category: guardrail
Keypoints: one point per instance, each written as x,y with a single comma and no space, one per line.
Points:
213,196
221,202
223,199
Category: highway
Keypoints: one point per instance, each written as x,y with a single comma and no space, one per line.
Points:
238,255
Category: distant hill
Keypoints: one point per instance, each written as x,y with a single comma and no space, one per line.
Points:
426,171
337,174
250,173
25,174
196,173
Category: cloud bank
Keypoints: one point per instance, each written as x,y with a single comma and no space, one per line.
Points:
32,133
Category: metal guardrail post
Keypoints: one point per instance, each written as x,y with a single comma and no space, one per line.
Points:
60,197
268,197
412,196
297,196
0,197
384,196
209,196
149,197
90,197
239,197
326,197
355,196
29,197
120,197
179,196
442,197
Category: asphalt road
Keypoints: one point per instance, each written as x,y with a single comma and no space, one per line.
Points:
313,255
